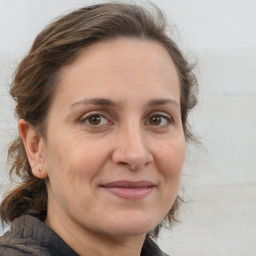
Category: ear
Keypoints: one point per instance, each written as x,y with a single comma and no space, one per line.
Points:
35,148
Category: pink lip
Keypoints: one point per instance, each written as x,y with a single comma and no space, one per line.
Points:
129,189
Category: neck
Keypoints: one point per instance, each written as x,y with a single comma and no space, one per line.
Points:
86,242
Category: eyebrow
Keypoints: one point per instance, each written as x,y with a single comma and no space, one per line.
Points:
95,101
159,102
108,102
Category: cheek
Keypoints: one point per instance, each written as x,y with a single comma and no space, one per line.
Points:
170,160
75,161
171,157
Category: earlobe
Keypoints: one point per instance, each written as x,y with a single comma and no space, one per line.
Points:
34,145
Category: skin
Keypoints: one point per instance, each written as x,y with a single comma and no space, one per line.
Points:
137,135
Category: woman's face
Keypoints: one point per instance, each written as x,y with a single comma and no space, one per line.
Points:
115,145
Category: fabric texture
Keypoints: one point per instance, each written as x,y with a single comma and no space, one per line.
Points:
29,236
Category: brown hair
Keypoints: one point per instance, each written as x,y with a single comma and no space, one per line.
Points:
36,80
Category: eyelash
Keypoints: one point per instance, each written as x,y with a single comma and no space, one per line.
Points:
167,118
86,118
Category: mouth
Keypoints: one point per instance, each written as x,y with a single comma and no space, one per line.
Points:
129,189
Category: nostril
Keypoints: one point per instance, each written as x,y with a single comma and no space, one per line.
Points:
132,157
123,163
127,165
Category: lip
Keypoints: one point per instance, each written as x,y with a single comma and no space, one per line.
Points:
129,189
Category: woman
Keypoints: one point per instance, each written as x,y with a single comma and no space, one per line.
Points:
102,99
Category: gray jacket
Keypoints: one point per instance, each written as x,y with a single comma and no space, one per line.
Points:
29,236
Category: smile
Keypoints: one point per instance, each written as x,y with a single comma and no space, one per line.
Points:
130,190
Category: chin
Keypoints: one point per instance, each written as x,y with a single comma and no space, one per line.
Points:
133,226
134,231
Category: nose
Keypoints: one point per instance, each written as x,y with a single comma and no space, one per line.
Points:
131,150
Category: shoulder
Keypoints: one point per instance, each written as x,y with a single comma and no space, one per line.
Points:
150,248
12,246
16,242
29,236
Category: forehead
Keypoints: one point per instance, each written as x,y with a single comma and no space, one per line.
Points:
123,63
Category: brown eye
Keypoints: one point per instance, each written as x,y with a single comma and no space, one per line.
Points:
160,120
155,120
95,120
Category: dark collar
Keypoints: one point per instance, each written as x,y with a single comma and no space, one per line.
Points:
29,227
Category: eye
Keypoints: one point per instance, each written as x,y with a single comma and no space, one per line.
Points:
160,120
94,120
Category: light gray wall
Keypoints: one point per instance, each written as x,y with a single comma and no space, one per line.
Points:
220,176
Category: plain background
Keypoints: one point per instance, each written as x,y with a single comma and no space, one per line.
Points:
219,177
